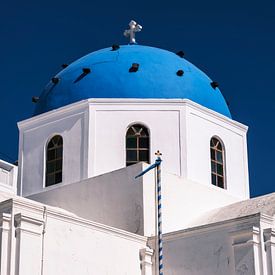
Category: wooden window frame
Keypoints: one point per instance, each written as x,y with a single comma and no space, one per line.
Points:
217,178
56,148
140,131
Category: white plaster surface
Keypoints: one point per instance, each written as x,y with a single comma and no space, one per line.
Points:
118,199
263,204
94,141
101,220
234,246
114,199
33,140
63,243
200,129
50,241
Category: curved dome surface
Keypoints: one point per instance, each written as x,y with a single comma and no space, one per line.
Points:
109,77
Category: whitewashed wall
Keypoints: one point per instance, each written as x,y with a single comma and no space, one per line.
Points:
33,138
37,239
110,123
201,126
231,247
94,141
114,199
118,199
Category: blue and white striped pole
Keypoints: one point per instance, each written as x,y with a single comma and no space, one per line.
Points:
159,213
157,165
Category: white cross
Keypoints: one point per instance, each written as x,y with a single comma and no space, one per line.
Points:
134,27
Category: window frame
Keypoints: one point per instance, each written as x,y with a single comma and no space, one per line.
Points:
46,160
223,163
137,148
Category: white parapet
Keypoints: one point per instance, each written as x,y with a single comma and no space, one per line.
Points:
8,177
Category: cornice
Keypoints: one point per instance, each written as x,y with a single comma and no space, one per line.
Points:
129,101
209,227
70,217
53,114
6,165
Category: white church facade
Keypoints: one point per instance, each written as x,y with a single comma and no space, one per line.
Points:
73,204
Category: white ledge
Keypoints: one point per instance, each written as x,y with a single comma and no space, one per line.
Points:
209,227
129,101
18,202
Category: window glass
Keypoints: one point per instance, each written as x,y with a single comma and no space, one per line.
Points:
131,142
58,177
213,167
50,155
220,182
219,156
143,142
214,179
132,155
50,179
143,155
59,152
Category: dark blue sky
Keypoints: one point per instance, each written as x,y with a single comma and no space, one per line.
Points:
232,41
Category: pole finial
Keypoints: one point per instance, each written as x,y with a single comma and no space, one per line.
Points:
134,27
158,153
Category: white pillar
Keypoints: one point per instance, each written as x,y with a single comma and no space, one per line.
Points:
28,245
247,251
5,224
269,238
146,261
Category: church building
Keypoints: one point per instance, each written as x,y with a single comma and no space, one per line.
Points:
74,204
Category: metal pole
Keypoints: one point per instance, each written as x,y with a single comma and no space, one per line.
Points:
159,218
156,225
159,252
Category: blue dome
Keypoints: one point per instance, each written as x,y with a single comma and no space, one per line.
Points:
109,77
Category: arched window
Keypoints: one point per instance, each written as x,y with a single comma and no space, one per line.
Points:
54,158
137,144
217,162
